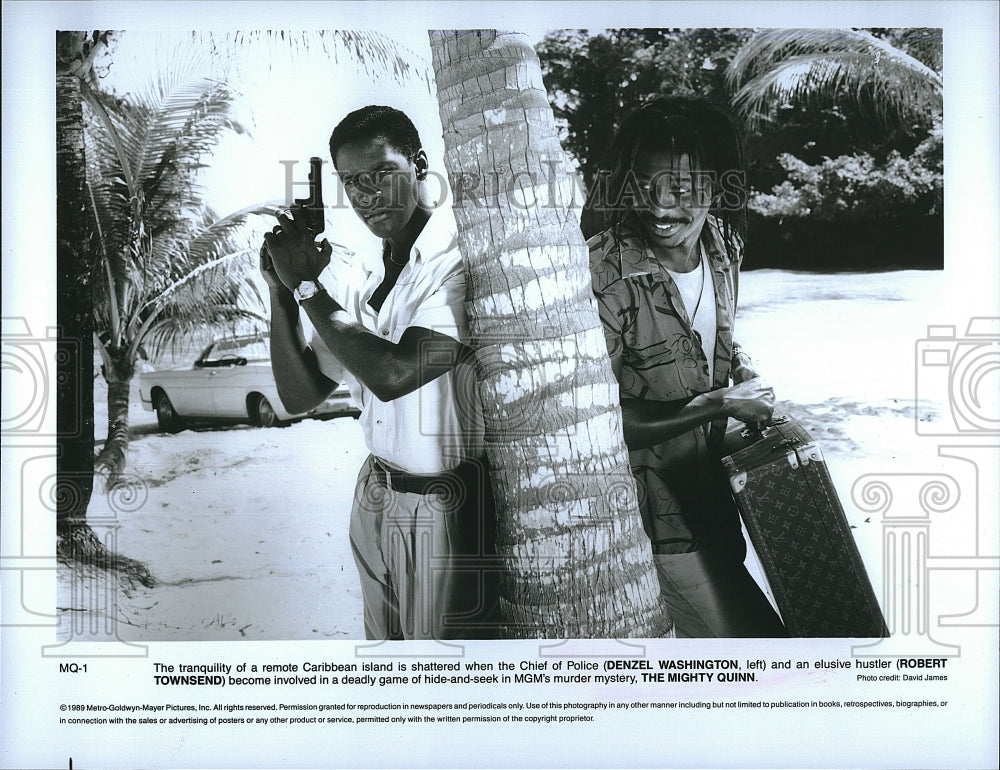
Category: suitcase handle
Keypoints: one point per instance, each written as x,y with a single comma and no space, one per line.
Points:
756,430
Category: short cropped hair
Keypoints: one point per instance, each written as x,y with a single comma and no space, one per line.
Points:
706,132
377,122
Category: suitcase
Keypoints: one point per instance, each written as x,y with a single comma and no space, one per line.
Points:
795,521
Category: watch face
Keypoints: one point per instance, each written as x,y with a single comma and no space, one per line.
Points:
306,289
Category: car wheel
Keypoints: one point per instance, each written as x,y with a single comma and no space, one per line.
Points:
166,417
264,414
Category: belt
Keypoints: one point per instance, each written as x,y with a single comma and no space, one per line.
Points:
425,484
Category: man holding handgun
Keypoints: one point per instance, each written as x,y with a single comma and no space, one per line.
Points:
422,519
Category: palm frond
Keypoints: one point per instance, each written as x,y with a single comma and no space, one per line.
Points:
162,131
215,230
797,65
203,280
377,54
218,291
145,174
179,131
171,335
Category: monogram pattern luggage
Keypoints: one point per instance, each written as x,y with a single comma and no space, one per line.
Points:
797,525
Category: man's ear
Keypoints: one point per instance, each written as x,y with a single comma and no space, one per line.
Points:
421,163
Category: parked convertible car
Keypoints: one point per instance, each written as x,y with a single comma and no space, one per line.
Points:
231,381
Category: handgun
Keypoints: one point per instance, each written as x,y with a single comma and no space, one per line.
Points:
313,205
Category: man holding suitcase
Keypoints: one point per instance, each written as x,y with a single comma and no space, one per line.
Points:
666,275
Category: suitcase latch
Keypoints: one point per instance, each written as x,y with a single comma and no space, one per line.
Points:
793,459
810,453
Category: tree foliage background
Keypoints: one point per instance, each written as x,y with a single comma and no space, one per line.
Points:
840,178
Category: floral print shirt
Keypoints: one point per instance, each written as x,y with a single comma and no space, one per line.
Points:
683,497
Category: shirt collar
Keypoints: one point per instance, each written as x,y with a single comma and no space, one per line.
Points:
636,259
438,236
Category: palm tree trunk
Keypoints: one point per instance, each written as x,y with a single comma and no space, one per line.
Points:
578,561
111,461
76,543
74,315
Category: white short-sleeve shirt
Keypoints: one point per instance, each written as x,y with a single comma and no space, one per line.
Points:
439,425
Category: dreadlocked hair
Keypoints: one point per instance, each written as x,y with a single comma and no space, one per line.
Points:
706,132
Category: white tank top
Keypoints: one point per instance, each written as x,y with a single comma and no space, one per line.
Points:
697,290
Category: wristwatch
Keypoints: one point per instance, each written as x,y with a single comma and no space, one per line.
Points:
307,289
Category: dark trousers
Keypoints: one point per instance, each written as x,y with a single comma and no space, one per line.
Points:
711,594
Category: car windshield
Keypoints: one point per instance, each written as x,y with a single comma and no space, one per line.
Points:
253,350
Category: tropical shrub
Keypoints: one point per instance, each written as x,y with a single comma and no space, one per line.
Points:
858,186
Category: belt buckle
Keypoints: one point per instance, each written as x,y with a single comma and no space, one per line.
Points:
388,475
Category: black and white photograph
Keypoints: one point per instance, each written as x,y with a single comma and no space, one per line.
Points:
396,385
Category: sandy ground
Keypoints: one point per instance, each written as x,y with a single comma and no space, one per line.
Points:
245,529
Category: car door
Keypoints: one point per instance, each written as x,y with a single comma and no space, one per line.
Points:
243,368
220,369
190,391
